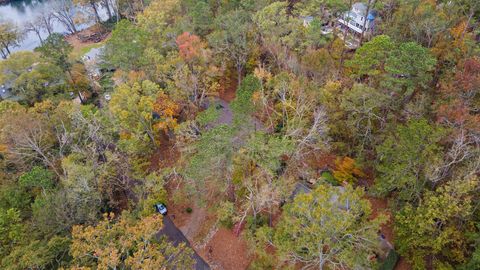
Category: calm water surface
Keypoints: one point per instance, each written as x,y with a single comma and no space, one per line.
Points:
21,11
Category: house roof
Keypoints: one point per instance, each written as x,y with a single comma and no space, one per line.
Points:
308,18
361,9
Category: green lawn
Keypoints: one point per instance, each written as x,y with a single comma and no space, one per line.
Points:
81,50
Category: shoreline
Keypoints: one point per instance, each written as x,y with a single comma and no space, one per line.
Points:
3,2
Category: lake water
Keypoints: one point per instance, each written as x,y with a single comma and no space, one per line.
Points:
21,11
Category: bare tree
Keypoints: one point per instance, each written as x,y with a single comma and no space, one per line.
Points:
464,148
106,4
45,19
370,5
64,12
92,4
3,53
29,139
304,121
314,137
264,192
33,26
116,11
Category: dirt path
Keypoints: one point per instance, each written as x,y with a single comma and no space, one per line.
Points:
166,155
225,251
228,88
226,114
195,222
380,205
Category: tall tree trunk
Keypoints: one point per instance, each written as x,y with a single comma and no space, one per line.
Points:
5,46
117,11
95,10
342,56
467,25
74,83
152,138
239,74
2,52
39,37
68,23
49,30
369,6
64,14
106,4
345,37
73,27
47,25
131,7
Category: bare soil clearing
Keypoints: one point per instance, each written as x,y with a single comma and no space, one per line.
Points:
228,87
81,47
380,205
75,40
226,251
195,222
165,156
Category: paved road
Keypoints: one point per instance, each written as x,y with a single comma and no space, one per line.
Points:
176,237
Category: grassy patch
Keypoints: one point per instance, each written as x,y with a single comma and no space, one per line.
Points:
82,49
209,115
328,177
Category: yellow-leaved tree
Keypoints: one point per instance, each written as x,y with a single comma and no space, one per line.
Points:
142,110
127,243
328,228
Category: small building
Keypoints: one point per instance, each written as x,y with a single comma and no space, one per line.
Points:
357,17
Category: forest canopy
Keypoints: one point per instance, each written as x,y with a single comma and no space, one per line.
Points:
310,134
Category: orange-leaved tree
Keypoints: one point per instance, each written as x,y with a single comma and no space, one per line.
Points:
166,111
347,170
189,46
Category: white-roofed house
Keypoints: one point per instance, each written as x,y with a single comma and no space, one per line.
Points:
358,20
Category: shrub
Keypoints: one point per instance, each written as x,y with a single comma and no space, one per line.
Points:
225,213
254,223
391,261
328,177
